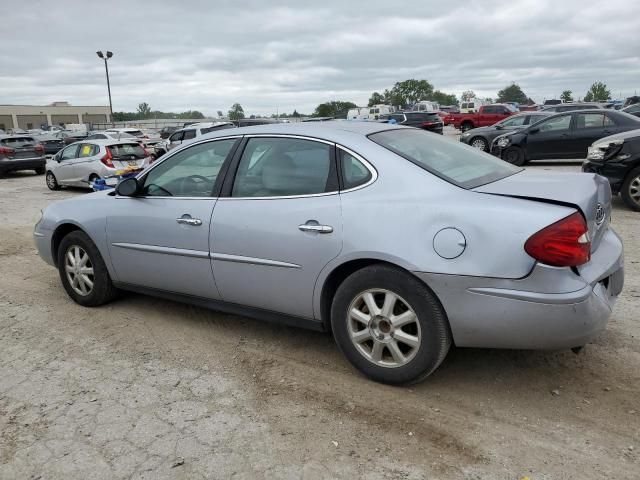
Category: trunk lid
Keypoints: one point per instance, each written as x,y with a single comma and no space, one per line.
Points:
588,192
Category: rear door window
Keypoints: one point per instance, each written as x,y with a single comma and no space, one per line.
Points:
589,120
454,162
189,134
88,150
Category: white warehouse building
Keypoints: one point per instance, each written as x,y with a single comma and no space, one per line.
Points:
57,113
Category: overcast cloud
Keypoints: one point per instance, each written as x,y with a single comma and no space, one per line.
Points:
206,55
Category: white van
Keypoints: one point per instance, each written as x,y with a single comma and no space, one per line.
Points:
425,106
369,113
472,105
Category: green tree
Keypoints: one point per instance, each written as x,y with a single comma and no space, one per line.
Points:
443,98
236,112
144,110
333,109
376,99
295,114
467,95
512,93
597,93
566,96
408,91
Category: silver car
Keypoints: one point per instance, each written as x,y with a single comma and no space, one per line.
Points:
80,163
399,241
188,133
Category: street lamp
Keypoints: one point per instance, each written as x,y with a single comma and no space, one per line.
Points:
106,69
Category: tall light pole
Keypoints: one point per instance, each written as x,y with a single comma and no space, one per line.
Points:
106,69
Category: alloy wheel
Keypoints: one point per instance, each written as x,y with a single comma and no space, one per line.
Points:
634,190
51,181
384,328
480,144
79,270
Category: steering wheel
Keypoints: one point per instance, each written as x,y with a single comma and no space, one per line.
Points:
197,180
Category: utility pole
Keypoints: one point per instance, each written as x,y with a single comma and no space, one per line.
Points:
106,69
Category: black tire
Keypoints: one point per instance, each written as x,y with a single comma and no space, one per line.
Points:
514,156
40,170
466,126
51,181
103,290
631,187
480,140
431,317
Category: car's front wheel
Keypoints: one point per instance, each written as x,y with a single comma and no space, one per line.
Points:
83,272
479,143
52,182
514,155
630,191
389,325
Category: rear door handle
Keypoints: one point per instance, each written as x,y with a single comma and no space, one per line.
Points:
316,228
187,220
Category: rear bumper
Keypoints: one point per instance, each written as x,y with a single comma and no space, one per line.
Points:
551,308
22,164
613,171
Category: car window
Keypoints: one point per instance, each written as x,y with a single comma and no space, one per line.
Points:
127,150
514,121
18,142
354,172
397,117
176,137
632,109
535,118
190,173
590,120
455,162
135,133
69,152
88,150
189,134
276,167
555,124
490,110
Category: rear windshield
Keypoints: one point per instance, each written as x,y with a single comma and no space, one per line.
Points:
452,161
219,127
136,133
127,150
18,142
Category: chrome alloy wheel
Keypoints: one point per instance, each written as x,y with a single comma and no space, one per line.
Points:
51,181
480,144
634,190
79,270
384,328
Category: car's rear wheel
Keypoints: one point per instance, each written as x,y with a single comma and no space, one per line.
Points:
630,191
40,170
83,272
514,155
389,325
52,182
479,143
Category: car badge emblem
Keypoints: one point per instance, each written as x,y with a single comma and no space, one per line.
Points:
600,214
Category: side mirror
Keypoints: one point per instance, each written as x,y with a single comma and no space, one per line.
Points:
128,187
534,130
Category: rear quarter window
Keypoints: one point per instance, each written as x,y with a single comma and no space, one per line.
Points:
454,162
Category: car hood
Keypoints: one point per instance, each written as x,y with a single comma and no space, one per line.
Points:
584,191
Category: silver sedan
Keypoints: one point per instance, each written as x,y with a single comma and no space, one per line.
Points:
398,241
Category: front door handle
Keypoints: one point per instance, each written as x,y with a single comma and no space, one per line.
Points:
187,220
315,228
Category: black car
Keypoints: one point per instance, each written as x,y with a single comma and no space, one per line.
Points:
617,157
19,152
426,120
482,137
633,109
50,143
564,135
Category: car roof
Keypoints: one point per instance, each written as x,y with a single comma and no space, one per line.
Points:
332,130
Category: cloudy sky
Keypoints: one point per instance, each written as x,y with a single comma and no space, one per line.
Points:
206,55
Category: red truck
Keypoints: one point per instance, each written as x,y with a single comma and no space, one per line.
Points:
486,115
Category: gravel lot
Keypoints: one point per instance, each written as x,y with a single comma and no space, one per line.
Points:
145,388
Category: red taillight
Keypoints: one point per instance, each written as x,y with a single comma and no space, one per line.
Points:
6,151
562,244
107,159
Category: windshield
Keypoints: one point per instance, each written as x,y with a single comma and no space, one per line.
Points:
454,162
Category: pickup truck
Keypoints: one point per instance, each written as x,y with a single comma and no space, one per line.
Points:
486,115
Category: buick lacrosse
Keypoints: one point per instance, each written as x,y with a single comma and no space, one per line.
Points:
398,241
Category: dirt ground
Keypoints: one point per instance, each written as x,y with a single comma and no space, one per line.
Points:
145,388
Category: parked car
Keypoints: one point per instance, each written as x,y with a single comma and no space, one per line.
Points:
633,109
471,106
135,132
569,107
189,133
472,250
426,120
486,115
166,131
482,137
552,101
617,158
81,163
563,135
21,152
51,143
